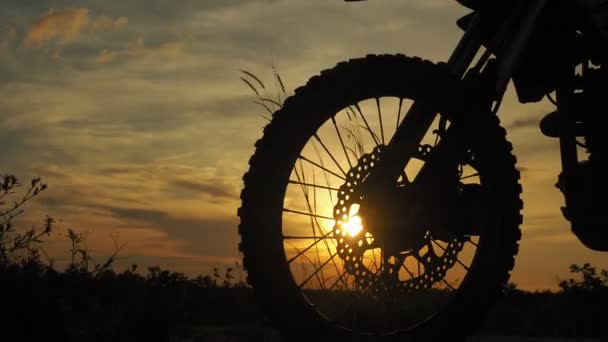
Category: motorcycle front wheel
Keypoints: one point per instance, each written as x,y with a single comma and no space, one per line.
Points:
322,272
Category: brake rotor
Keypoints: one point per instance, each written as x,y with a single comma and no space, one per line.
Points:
354,242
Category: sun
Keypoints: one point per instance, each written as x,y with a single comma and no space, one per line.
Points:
353,226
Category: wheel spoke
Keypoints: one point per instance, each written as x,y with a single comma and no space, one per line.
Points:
471,242
408,271
313,220
318,269
306,197
329,153
448,284
399,113
293,237
470,176
314,194
321,167
307,214
333,121
308,248
313,185
457,260
371,132
374,260
340,279
380,120
319,279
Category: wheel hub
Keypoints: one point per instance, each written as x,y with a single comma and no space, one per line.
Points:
397,221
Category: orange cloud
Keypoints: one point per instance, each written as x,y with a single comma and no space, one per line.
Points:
67,24
106,23
62,24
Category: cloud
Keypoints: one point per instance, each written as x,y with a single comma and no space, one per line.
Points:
135,48
221,191
172,49
57,24
107,23
9,37
217,235
67,24
527,122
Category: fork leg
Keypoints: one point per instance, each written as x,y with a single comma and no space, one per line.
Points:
420,116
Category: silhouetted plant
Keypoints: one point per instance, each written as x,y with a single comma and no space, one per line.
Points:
81,259
263,98
510,289
227,278
19,247
588,279
93,302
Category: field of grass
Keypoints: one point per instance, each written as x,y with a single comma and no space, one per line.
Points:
90,301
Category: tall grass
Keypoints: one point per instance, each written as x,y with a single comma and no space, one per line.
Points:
269,102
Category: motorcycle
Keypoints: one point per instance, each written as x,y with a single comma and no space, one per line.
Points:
383,200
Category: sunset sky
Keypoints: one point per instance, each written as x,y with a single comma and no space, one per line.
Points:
134,114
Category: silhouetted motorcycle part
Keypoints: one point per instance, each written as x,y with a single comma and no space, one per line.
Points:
586,185
537,44
588,188
306,289
556,46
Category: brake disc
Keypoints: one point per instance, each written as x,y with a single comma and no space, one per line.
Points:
359,250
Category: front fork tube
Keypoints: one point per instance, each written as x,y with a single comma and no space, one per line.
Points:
566,108
421,115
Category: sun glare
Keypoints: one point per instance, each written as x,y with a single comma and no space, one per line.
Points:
353,226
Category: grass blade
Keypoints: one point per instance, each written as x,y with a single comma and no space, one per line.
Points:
251,86
254,77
